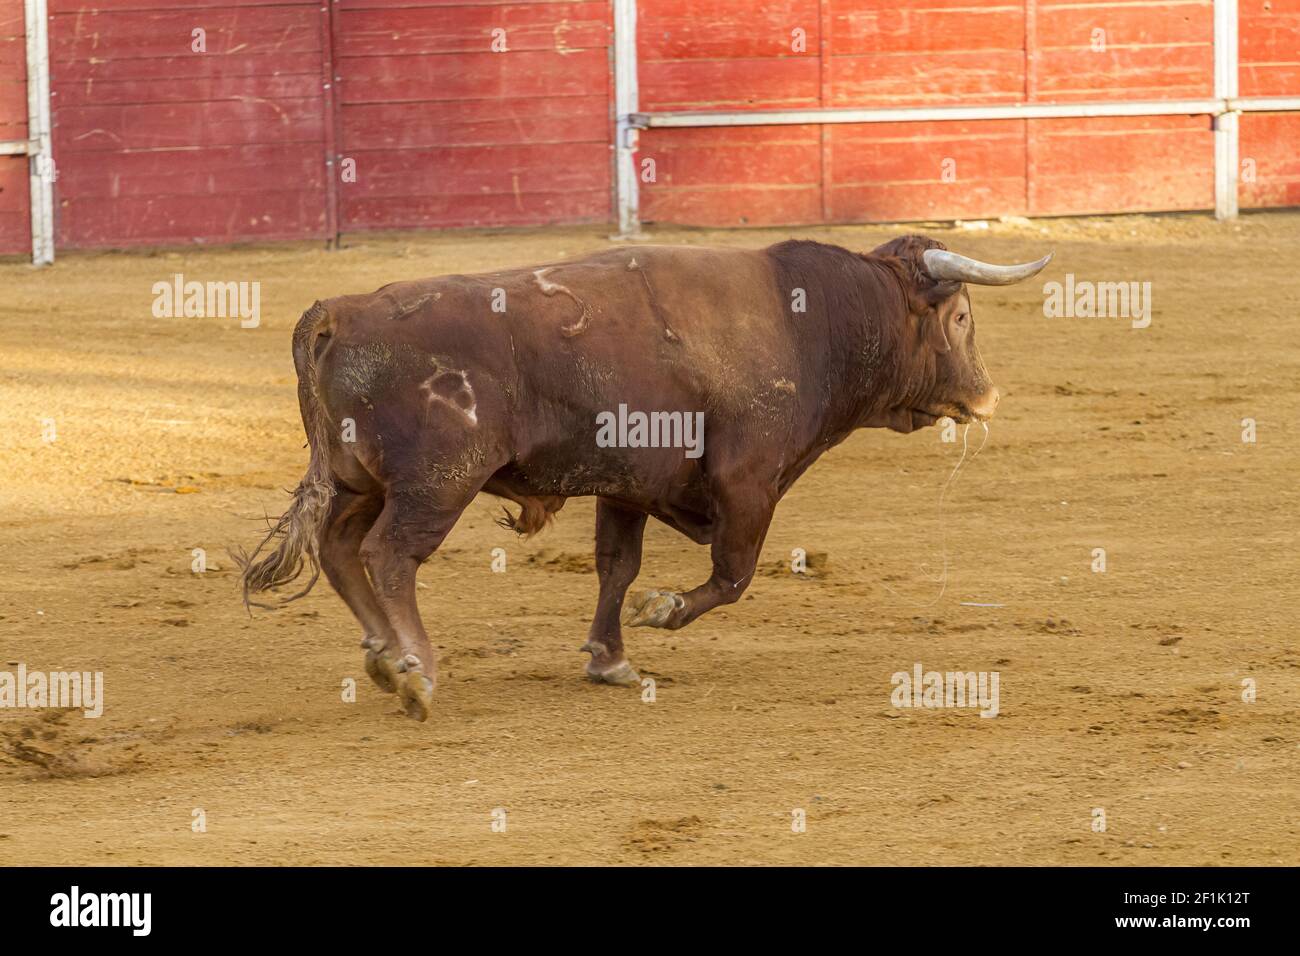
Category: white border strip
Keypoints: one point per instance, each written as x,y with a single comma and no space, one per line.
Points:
626,193
39,158
1225,123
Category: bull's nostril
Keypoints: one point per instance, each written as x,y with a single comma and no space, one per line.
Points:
987,404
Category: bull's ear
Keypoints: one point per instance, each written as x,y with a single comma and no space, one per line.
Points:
935,334
926,304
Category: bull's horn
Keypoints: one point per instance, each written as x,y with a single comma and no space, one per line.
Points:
941,264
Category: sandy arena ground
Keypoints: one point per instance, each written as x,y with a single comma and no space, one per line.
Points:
1119,690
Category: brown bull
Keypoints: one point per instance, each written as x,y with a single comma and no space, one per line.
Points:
586,378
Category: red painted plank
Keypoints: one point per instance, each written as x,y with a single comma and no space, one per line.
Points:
770,83
693,167
907,30
568,119
1134,26
189,90
223,171
13,105
166,220
435,4
1270,159
1128,164
456,76
170,125
895,202
481,170
1269,47
229,67
11,18
1126,74
13,110
91,7
15,222
738,205
725,29
783,164
14,191
498,209
153,33
13,55
932,79
955,154
559,27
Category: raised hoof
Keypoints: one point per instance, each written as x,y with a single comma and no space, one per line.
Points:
381,666
652,609
415,688
620,674
382,669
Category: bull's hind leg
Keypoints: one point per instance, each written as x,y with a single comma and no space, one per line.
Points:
351,516
618,559
743,513
412,525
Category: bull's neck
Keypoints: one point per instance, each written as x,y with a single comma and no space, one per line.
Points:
864,366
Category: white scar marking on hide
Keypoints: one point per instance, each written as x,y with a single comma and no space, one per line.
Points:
470,413
943,543
550,288
405,310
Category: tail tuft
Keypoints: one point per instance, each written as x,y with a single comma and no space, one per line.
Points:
533,517
294,544
294,539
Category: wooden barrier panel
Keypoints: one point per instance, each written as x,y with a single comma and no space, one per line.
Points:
474,113
301,119
15,197
157,141
929,52
1270,66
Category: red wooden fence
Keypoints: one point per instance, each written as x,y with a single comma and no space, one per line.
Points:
15,219
445,131
257,136
933,53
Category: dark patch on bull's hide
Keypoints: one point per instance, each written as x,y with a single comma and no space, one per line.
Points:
845,302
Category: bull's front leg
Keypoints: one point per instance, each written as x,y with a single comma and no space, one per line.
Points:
619,532
743,514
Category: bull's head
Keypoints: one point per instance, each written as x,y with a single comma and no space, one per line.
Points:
944,374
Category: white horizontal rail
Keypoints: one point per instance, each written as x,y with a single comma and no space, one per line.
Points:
905,114
18,147
1263,104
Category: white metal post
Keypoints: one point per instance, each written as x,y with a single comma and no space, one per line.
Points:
39,158
625,104
1226,162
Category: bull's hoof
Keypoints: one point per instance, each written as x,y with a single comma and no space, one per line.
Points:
652,608
382,670
619,674
381,667
415,689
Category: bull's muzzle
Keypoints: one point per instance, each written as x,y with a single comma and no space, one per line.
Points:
983,408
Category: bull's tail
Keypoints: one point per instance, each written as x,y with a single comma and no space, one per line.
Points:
293,541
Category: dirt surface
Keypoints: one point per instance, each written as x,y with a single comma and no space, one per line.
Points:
1120,691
